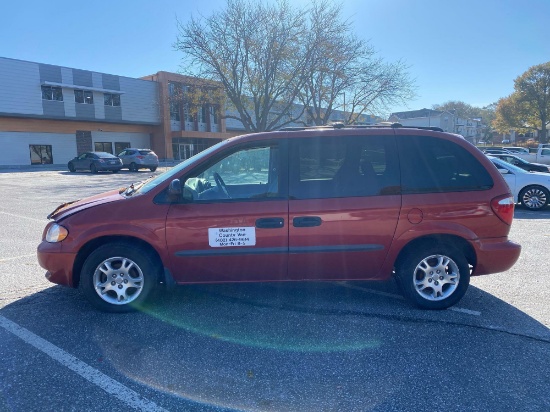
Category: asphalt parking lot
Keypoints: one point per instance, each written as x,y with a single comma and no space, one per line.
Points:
264,347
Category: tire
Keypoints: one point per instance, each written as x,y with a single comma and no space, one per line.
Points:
71,168
534,197
133,167
152,169
93,168
114,171
118,277
433,277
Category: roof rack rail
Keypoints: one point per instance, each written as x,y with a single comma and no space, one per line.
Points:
340,125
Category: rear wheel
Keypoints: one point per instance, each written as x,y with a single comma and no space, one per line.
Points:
433,277
133,167
93,168
534,197
152,169
118,277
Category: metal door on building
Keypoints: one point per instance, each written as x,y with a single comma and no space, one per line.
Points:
183,151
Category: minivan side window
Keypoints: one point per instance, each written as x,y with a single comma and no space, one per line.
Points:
250,173
333,167
433,165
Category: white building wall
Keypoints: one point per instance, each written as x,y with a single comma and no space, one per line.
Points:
63,147
20,86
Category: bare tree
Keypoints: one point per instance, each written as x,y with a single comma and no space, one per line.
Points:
277,62
256,51
344,72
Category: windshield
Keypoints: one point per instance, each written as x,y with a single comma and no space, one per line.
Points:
501,164
171,173
104,155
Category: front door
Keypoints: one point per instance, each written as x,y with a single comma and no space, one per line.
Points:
235,228
344,206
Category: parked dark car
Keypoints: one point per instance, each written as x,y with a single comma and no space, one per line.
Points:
522,163
307,204
135,159
95,162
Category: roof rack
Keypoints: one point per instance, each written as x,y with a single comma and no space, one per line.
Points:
340,125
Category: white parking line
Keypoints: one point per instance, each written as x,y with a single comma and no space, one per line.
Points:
111,386
394,296
17,257
25,217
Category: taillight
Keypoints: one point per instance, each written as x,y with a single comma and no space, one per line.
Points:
503,206
140,157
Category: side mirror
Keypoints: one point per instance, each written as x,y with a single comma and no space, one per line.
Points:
175,190
503,171
178,192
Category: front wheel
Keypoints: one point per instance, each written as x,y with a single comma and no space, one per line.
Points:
118,277
152,169
71,167
435,277
534,197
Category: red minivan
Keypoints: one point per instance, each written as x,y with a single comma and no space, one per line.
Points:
325,203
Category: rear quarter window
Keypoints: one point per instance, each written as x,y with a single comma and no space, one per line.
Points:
432,165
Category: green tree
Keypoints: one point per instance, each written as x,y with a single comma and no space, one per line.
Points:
528,107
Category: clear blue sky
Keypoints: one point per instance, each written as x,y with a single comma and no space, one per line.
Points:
468,50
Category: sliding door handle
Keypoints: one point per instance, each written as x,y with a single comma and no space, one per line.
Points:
306,221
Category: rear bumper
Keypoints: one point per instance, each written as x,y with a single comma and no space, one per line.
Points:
495,255
59,265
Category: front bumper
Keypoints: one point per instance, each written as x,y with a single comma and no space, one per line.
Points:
495,255
59,265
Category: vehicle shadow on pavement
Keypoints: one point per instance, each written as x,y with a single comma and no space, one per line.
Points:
298,346
220,309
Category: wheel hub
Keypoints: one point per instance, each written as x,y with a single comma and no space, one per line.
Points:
436,277
118,280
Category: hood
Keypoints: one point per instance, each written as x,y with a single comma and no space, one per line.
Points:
69,208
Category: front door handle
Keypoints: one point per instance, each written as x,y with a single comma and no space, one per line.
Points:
306,221
270,223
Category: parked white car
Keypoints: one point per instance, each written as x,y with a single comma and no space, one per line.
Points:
531,189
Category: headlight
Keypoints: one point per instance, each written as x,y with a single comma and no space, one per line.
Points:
56,233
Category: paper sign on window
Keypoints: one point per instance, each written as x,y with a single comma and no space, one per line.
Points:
232,236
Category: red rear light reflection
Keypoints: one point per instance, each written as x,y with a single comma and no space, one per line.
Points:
503,206
140,157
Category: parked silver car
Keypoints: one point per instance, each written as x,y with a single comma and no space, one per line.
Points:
135,159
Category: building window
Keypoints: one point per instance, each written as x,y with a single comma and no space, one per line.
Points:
83,96
112,99
202,114
214,114
41,154
120,146
103,147
174,111
188,115
52,93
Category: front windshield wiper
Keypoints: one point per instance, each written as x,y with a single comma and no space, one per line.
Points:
134,187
